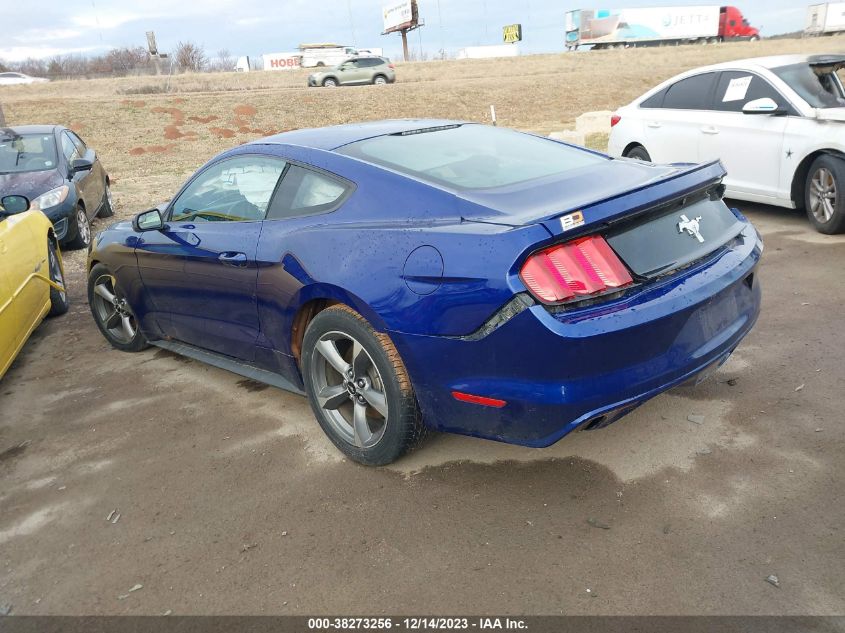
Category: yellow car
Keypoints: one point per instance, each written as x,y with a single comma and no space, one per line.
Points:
31,275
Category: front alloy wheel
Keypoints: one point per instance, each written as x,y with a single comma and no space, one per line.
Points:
112,312
824,197
58,298
83,229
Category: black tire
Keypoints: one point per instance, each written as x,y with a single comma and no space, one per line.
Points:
395,433
81,232
58,299
330,82
638,152
379,80
107,209
824,194
108,314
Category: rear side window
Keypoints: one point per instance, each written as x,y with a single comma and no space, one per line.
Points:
692,93
306,192
737,88
655,100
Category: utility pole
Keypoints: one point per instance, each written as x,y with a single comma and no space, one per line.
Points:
405,43
2,117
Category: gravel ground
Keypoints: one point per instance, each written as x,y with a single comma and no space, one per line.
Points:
225,497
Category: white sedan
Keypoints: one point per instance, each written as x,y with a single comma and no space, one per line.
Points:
776,123
9,78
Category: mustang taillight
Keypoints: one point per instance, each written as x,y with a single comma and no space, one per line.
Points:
574,270
614,119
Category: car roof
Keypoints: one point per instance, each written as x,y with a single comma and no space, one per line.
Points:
774,61
335,136
31,129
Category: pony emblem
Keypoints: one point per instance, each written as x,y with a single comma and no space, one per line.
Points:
690,226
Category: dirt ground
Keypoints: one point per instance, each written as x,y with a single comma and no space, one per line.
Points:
231,500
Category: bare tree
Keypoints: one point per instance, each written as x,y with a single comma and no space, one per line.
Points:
190,56
127,59
223,62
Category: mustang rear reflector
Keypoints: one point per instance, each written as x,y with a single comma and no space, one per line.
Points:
574,270
473,399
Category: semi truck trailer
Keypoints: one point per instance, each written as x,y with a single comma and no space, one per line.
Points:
654,26
825,19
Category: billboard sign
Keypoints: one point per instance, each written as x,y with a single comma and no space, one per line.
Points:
282,61
151,43
399,15
512,33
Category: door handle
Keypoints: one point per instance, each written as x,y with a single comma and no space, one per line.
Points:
654,124
232,258
710,130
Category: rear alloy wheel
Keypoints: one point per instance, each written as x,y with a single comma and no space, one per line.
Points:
112,312
359,388
824,194
82,227
380,80
58,298
638,152
329,83
107,210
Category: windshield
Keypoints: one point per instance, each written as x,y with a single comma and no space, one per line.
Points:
471,156
26,152
819,86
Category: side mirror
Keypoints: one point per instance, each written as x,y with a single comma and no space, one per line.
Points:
148,221
81,164
762,106
9,205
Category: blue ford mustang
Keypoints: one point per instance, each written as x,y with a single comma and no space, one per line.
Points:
426,274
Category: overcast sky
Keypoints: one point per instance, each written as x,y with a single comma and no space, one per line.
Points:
42,28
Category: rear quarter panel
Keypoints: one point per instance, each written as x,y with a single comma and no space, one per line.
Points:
628,130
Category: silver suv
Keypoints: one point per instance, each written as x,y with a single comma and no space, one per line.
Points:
356,71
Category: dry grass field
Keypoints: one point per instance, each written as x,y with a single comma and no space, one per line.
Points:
152,132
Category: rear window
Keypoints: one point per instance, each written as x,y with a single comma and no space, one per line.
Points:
471,156
305,192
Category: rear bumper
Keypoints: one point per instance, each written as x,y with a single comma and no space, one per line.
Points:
557,372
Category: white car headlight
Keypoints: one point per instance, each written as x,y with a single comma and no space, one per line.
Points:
52,198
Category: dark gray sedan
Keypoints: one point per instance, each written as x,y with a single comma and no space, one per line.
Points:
60,174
